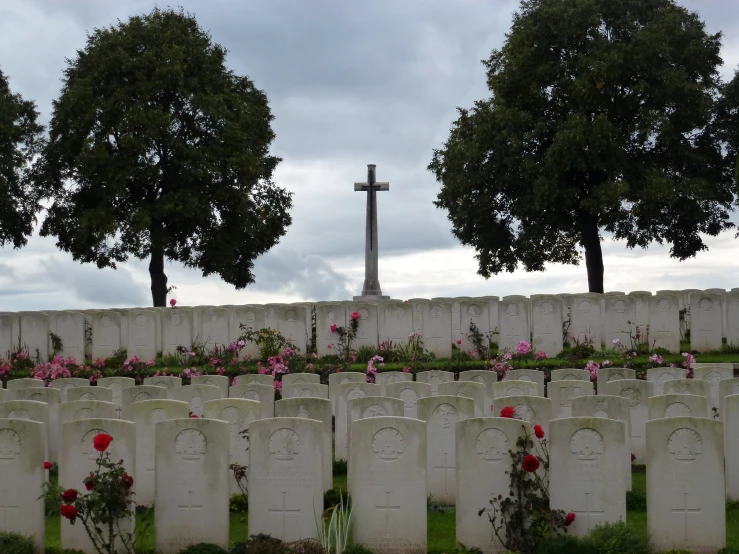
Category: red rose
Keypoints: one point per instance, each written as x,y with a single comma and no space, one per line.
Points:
89,482
530,463
127,481
569,519
508,412
101,442
69,511
69,495
539,432
193,416
48,465
333,328
355,315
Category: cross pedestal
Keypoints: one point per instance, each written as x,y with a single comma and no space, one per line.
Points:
371,289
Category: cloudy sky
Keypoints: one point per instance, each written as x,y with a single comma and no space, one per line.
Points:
350,83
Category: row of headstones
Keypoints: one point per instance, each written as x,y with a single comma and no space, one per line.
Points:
144,332
395,463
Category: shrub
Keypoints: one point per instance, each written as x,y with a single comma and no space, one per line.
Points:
357,549
17,544
564,544
617,538
306,547
203,548
339,467
728,550
332,498
636,501
238,503
261,544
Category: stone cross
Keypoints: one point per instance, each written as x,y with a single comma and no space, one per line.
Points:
371,286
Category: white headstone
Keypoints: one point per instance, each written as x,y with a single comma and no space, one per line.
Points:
409,392
22,455
177,330
86,409
434,377
313,408
419,306
70,328
731,429
347,392
706,321
732,317
641,310
658,376
367,332
395,322
486,378
255,379
239,413
342,378
619,319
677,405
52,397
300,378
546,312
468,389
535,410
145,414
513,388
513,324
196,396
388,467
664,322
606,374
305,390
531,375
24,383
117,385
211,326
190,509
327,315
437,329
637,391
139,394
252,318
726,387
220,381
106,333
101,394
589,459
686,495
34,328
30,410
570,375
689,386
285,477
441,413
475,311
67,383
561,394
142,333
164,381
78,459
713,374
291,323
9,333
261,393
6,395
388,377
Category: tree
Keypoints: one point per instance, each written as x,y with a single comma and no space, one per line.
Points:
728,121
20,140
602,119
157,150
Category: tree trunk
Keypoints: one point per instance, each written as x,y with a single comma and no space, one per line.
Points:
593,252
158,278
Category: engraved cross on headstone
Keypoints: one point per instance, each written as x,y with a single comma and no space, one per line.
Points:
588,513
446,467
190,506
284,511
387,507
371,281
685,511
5,508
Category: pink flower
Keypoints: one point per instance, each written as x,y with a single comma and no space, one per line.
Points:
406,369
333,328
172,302
540,355
329,347
523,348
355,315
459,342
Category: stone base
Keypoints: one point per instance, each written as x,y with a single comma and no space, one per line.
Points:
370,298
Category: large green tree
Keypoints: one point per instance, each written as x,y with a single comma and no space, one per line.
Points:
601,119
20,140
157,150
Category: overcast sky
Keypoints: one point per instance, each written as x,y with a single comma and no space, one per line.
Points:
349,83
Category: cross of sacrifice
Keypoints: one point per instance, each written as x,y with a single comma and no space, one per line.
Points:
387,507
588,513
446,467
190,506
371,285
284,511
685,511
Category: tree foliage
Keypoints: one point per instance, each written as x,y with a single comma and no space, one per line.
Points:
20,140
157,150
602,119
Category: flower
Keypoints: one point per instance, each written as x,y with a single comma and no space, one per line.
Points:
459,342
355,315
656,359
508,412
101,442
172,302
193,416
593,368
48,465
540,355
126,481
333,328
633,457
69,496
90,481
328,347
523,348
539,432
68,511
569,518
530,463
615,342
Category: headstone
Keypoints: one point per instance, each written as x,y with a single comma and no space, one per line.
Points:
535,410
142,333
468,389
441,413
726,387
327,315
664,322
513,324
570,375
706,321
513,388
101,394
34,328
689,386
546,322
70,328
409,392
305,390
474,311
164,381
388,467
731,429
530,375
658,376
139,394
67,383
106,333
419,306
619,319
146,414
367,332
434,377
211,326
52,397
196,396
22,456
606,374
220,381
78,459
239,413
285,477
290,323
437,329
337,379
641,309
318,409
261,393
177,330
561,394
252,318
686,495
395,322
610,407
388,377
6,395
24,383
86,409
589,458
347,392
117,385
188,508
486,379
256,379
677,405
732,317
9,333
713,374
585,320
637,391
299,378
